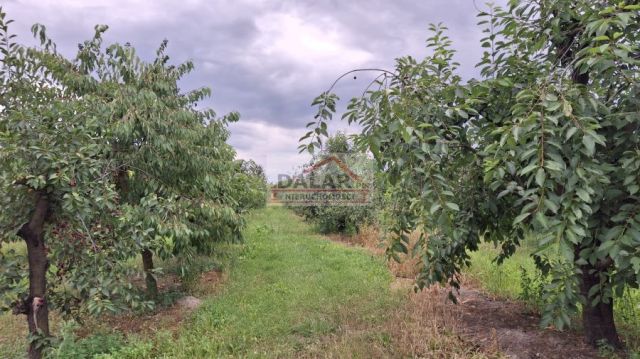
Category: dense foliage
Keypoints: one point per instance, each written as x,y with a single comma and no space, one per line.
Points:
251,186
546,142
102,157
175,172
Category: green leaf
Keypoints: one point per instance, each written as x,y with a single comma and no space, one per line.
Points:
521,218
553,165
551,205
529,168
589,144
584,195
452,206
570,132
540,177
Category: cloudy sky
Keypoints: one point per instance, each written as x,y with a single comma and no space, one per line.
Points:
266,59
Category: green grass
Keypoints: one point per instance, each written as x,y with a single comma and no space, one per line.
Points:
500,280
289,290
12,336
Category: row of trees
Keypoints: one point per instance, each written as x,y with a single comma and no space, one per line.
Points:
102,159
546,142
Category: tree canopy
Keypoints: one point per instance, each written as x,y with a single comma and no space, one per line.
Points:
103,157
545,144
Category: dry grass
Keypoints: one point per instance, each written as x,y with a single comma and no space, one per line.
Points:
12,334
423,325
370,237
427,325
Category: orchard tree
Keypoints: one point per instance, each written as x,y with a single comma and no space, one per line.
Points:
57,193
175,172
546,144
101,158
251,186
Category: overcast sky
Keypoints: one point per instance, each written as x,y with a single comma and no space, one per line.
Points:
264,59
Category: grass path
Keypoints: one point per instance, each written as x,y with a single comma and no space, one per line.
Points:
291,293
288,291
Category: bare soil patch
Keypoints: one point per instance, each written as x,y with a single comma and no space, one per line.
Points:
512,330
488,327
168,318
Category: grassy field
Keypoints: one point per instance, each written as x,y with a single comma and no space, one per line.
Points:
288,290
289,293
501,280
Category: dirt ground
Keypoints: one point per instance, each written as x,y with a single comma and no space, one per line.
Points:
508,327
490,326
166,318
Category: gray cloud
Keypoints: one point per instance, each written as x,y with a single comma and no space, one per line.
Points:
265,59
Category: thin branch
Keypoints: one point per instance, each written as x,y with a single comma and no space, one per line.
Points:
93,243
358,70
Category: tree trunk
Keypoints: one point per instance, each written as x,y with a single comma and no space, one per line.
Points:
147,264
36,307
598,323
